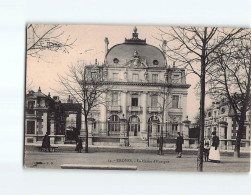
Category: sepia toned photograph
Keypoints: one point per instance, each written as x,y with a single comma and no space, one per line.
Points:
140,98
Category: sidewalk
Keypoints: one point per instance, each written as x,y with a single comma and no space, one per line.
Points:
121,149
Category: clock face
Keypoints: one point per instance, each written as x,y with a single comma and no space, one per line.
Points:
115,60
155,62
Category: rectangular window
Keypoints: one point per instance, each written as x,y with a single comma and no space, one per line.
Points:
175,101
135,77
115,76
114,99
176,78
174,127
31,105
94,75
154,101
30,127
134,101
155,78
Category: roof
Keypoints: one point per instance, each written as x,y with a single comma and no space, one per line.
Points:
135,49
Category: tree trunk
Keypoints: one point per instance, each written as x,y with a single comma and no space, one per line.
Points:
237,153
86,137
202,117
202,104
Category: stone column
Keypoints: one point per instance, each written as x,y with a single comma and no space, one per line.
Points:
154,132
90,125
186,124
144,118
52,133
124,139
82,130
103,116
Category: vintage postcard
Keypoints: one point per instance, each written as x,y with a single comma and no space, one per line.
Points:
146,98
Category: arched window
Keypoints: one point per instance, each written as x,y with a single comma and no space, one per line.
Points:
150,125
114,125
133,125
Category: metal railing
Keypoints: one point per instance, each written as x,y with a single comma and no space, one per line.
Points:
134,108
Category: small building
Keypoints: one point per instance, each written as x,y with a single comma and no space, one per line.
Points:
220,118
46,114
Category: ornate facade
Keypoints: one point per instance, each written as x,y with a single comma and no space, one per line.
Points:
144,90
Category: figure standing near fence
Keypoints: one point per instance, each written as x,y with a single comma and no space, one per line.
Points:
46,142
179,143
206,151
214,153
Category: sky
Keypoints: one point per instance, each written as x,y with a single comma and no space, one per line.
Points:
88,46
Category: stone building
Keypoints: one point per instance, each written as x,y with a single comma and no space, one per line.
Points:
220,118
148,96
46,114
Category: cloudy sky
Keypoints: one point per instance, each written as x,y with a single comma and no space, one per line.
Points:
88,46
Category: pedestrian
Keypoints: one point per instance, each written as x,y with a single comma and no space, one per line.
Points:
79,146
46,142
206,151
214,153
179,143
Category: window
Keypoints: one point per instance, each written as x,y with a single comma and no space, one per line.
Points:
114,124
150,125
115,60
93,75
31,105
114,99
155,78
154,101
115,76
176,78
155,62
30,127
135,77
175,101
134,100
174,128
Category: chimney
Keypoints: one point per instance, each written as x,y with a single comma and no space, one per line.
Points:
106,45
164,46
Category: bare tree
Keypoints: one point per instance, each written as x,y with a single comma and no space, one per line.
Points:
230,79
192,48
50,37
29,84
85,85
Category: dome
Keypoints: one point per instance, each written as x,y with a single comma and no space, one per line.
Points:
135,51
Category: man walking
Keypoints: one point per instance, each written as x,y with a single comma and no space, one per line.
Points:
179,143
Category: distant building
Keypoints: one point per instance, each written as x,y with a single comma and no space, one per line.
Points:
139,75
46,114
220,118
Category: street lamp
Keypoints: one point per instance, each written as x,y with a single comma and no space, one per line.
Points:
108,120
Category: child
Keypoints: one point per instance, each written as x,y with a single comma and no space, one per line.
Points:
206,151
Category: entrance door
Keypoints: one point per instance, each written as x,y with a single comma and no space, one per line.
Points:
134,126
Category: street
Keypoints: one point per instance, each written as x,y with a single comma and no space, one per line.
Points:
144,162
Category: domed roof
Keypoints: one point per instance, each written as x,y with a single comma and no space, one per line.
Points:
135,51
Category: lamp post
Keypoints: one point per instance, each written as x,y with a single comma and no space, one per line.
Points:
108,120
166,128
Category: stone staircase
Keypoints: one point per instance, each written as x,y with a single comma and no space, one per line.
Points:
136,141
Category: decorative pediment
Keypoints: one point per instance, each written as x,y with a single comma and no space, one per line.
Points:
137,61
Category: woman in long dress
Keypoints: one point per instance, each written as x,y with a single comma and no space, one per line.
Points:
214,153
